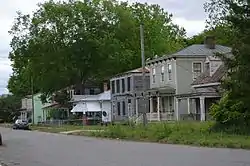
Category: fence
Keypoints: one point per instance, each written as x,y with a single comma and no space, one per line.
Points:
62,122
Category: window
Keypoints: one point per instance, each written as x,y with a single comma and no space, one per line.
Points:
78,92
113,87
123,85
207,67
162,73
153,75
118,109
169,72
123,108
196,69
129,100
91,91
129,83
117,86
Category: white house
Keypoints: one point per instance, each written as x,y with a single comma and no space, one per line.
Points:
94,105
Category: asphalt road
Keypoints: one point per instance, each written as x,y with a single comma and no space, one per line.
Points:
31,148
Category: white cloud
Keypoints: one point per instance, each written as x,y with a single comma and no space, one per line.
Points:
189,15
190,24
5,71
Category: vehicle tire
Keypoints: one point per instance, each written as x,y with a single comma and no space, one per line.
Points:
1,142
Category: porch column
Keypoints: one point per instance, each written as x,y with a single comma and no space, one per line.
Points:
158,108
177,108
136,107
202,108
151,108
188,103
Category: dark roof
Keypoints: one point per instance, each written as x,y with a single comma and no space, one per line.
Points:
205,78
195,50
138,70
201,49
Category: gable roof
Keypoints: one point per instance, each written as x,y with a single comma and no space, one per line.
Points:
205,78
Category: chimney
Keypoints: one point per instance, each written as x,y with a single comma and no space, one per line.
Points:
210,42
105,86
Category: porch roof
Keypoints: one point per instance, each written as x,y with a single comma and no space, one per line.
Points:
53,105
198,94
205,77
162,90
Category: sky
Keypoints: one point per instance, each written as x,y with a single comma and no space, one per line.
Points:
186,13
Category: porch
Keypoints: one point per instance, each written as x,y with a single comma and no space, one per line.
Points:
53,111
195,106
162,104
161,108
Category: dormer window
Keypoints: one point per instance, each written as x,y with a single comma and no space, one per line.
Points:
207,67
196,69
162,73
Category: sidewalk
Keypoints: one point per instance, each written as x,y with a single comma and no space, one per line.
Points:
6,125
76,131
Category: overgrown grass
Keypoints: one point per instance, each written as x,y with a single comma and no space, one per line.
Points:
188,133
62,128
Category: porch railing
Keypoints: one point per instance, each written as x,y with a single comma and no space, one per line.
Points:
195,116
163,116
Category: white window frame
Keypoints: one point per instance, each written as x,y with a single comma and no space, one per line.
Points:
153,75
170,74
194,75
162,73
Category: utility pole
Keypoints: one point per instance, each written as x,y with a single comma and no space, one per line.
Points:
32,98
143,73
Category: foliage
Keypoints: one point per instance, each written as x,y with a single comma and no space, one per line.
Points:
68,43
9,107
234,108
224,35
57,114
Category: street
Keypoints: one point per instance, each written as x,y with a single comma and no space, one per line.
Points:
32,148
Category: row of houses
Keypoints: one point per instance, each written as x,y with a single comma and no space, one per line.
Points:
180,86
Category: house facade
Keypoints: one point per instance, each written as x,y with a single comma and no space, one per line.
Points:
126,94
26,108
176,80
76,93
91,106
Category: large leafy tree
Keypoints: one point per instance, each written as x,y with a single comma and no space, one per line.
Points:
235,105
71,43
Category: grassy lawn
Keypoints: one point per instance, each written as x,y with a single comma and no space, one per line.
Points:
188,133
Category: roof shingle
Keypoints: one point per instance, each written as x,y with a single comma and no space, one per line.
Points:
205,78
201,49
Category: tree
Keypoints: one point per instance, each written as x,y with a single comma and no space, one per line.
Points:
234,108
223,33
9,107
64,44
